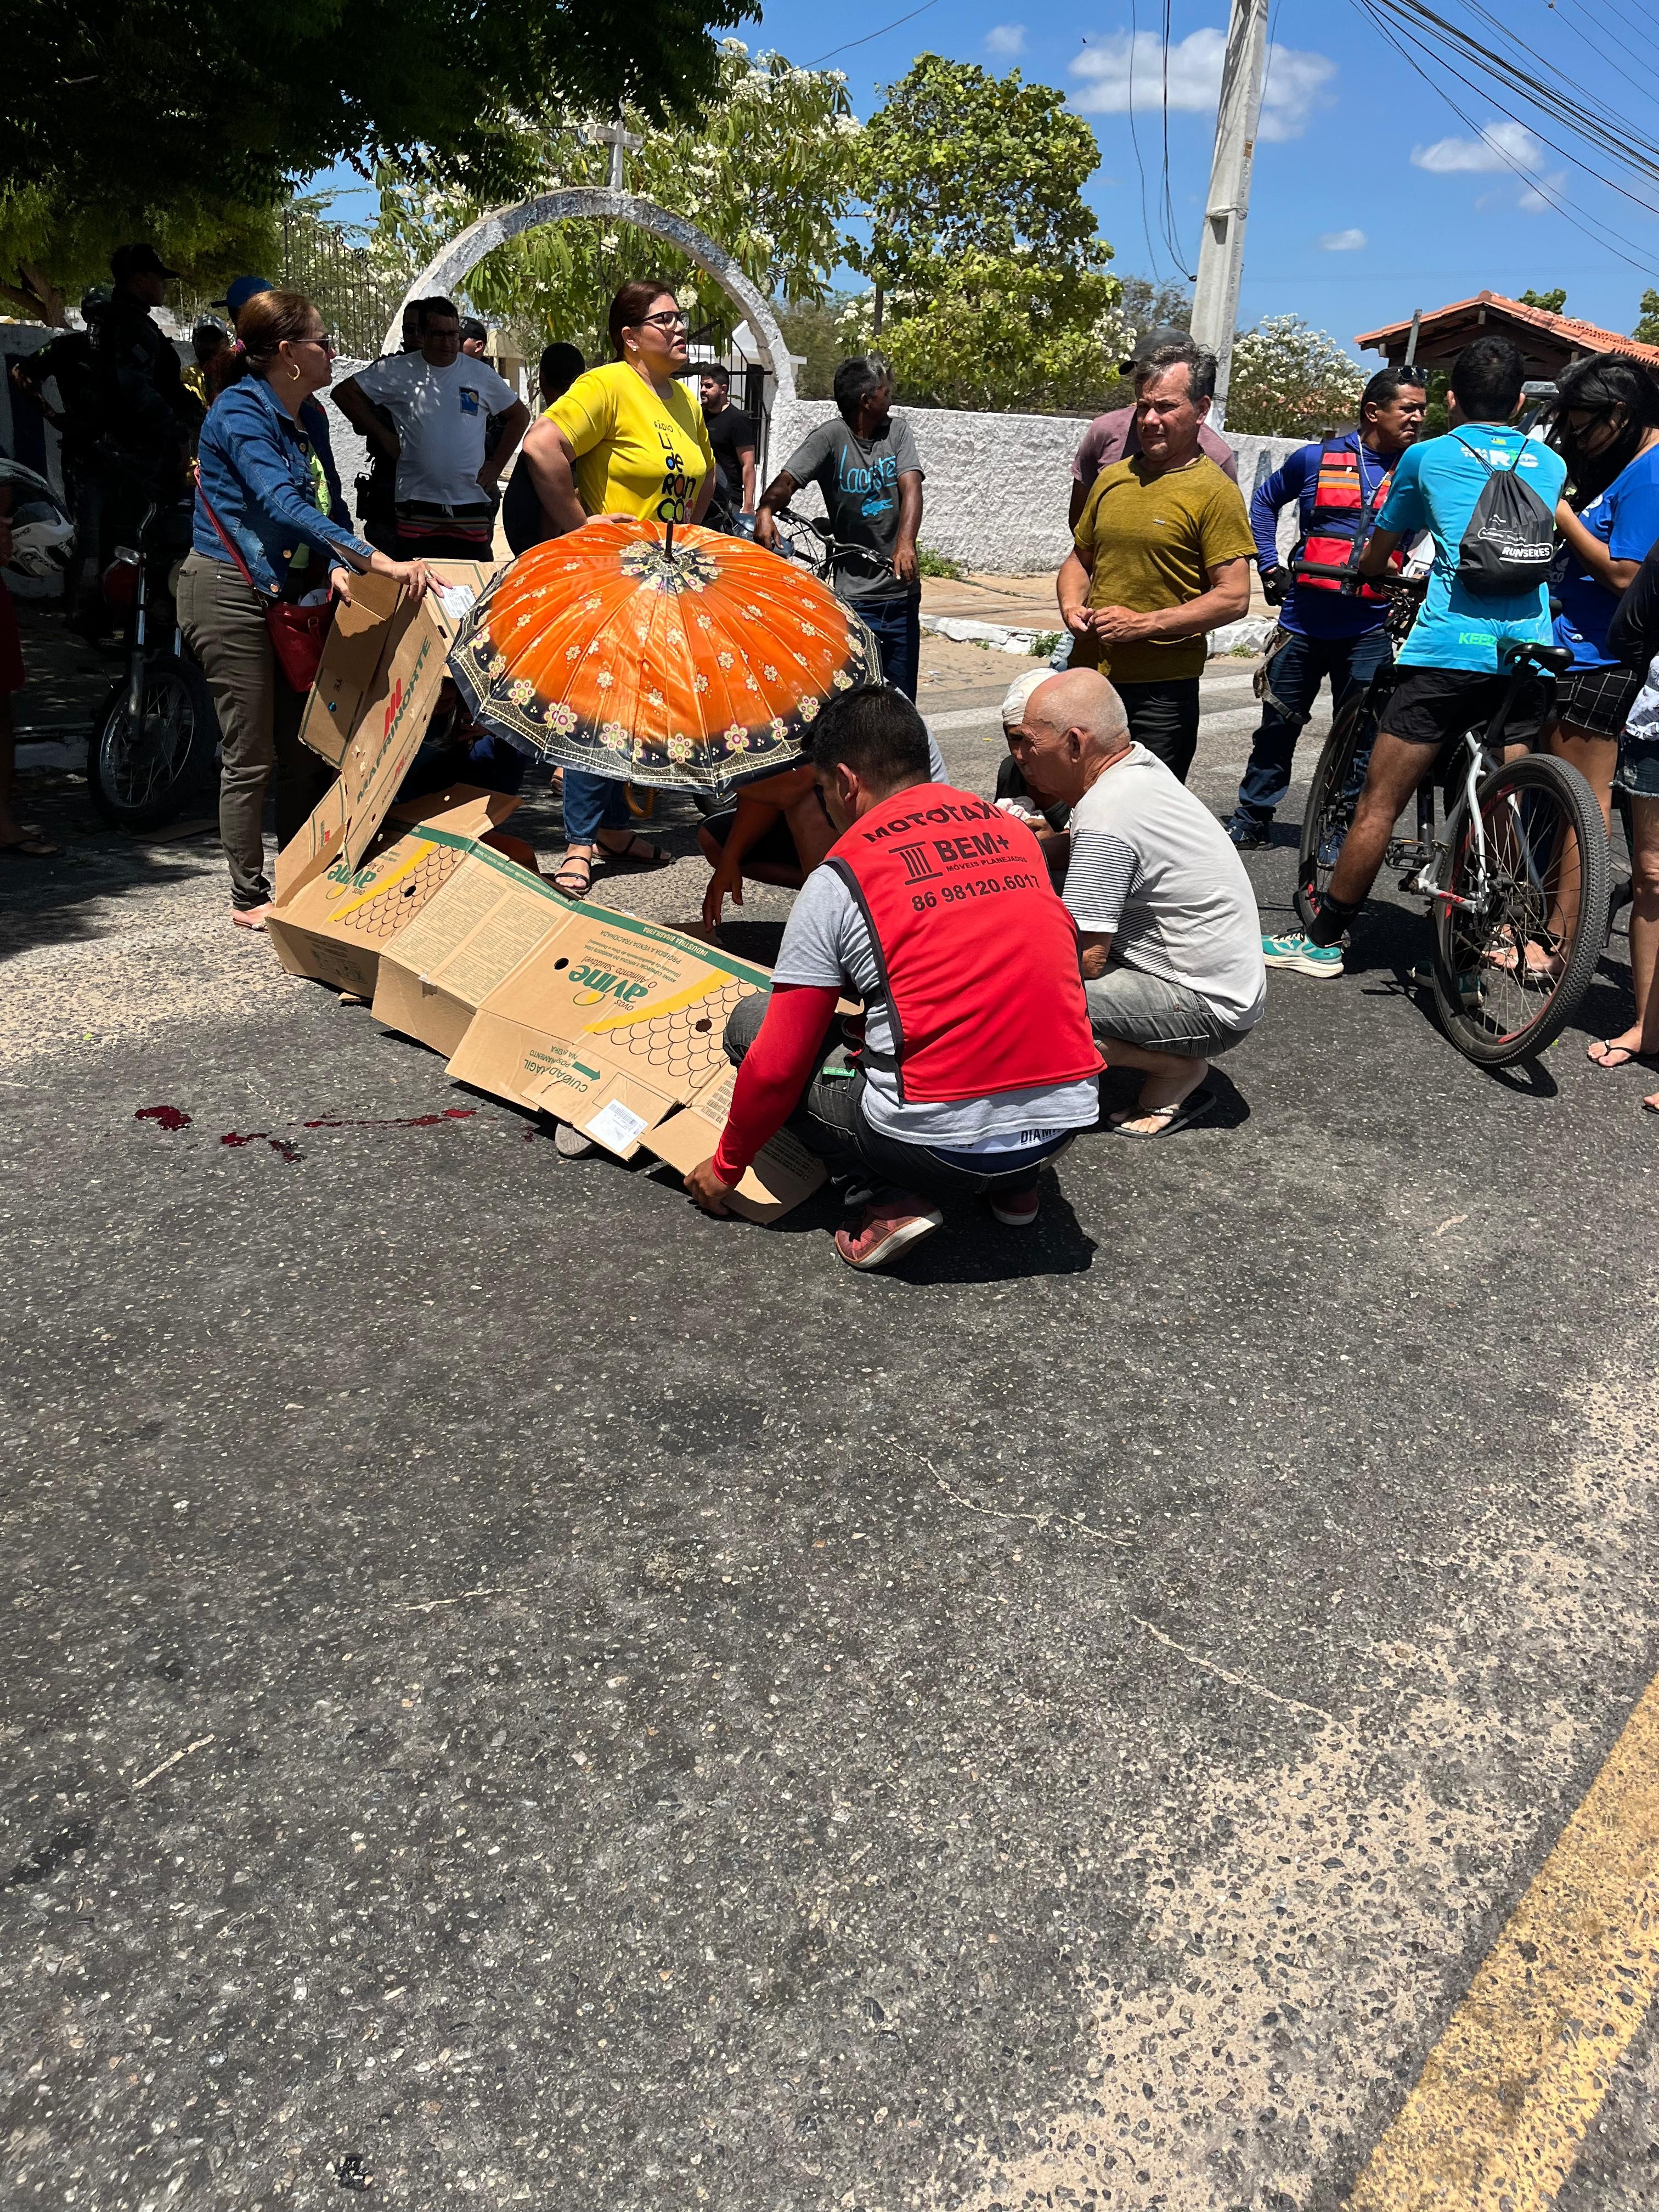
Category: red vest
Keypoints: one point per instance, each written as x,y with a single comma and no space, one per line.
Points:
977,956
1340,524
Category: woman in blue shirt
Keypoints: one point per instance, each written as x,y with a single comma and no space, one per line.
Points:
269,524
1606,425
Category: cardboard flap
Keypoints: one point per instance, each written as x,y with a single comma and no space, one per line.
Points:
783,1172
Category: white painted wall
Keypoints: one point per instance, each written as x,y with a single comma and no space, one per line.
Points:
997,485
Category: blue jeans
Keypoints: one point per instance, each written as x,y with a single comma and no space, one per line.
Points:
1295,674
593,803
895,624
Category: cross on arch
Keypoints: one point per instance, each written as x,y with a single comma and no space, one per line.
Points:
619,140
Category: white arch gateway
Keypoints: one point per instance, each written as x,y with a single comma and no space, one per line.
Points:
448,270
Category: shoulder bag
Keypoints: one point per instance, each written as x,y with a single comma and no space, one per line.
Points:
297,633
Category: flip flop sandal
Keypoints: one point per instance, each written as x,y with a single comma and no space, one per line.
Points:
1193,1108
1607,1048
631,857
29,848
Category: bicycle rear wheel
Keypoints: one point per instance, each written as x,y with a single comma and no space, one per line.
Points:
1328,816
1505,986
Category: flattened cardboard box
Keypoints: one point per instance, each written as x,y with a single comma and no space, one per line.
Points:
382,668
609,1023
783,1174
337,924
485,918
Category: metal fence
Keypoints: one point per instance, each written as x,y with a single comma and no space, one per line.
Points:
356,298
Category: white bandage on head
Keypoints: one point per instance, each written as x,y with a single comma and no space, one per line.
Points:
1013,707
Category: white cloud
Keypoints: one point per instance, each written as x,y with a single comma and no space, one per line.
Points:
1342,241
1293,87
1500,146
1546,202
1005,38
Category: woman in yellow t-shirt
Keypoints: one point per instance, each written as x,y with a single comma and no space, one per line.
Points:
626,439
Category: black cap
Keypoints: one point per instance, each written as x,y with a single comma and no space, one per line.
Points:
1161,334
129,261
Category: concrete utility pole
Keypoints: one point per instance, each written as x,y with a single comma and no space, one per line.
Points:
1221,254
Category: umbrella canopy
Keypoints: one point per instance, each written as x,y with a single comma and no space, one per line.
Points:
675,657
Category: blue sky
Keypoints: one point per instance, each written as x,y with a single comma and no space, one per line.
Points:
1371,196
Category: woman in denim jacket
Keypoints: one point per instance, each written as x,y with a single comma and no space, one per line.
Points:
267,477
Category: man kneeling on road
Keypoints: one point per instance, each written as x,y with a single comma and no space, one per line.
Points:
1167,920
977,1063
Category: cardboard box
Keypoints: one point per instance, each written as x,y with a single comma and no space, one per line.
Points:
783,1172
610,1024
383,665
335,927
485,919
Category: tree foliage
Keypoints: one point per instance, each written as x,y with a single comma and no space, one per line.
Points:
157,119
989,267
1647,327
765,165
1551,302
1291,381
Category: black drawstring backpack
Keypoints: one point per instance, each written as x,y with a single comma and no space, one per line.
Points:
1511,540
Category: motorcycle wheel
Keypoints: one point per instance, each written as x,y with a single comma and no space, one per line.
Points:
142,771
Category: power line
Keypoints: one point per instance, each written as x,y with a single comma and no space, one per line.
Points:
1374,11
1171,229
871,36
1135,141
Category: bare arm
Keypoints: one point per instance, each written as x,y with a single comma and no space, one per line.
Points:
1226,600
779,492
1375,559
1094,948
552,465
1072,589
1079,500
746,458
360,413
909,522
759,806
1587,547
515,420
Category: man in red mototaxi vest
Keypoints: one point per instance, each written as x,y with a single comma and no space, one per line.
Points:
976,1062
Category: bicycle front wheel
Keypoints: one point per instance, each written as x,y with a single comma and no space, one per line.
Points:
1336,785
1518,939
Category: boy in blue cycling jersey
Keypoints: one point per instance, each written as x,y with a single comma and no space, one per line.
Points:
1453,679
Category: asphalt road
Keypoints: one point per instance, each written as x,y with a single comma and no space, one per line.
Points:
517,1691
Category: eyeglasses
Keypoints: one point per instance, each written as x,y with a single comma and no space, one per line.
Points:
678,320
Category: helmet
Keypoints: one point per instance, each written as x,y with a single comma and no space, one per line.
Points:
42,534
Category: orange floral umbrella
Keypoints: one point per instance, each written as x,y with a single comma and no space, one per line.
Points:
664,656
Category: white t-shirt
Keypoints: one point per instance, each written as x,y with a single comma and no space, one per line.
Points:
1153,867
441,416
826,941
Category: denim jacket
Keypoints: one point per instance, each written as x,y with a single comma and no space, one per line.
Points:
254,470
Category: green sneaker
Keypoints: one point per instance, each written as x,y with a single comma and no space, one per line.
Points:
1299,952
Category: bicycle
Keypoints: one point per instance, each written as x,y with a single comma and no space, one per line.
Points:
154,741
792,545
1523,846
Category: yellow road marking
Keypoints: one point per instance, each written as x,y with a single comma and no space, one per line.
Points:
1514,2085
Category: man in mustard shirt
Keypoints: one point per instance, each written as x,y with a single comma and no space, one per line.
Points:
1161,556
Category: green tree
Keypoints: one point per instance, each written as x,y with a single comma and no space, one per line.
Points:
765,165
1291,381
1647,328
813,329
990,280
1551,302
161,118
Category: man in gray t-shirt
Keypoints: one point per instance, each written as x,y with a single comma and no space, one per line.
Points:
866,467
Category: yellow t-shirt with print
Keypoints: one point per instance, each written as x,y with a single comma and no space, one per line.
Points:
636,453
1154,541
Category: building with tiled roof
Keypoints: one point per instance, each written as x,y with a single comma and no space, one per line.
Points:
1548,342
